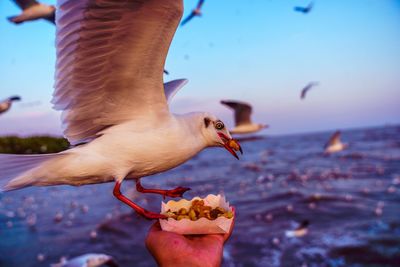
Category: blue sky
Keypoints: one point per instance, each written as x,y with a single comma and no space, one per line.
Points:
258,51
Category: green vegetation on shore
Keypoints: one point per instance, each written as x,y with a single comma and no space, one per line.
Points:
32,145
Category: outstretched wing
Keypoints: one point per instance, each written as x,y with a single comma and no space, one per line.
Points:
188,18
307,88
242,111
335,139
110,61
172,87
299,9
24,4
200,4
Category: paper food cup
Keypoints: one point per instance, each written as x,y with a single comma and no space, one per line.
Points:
221,225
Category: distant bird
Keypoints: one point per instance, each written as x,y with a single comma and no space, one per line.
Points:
300,230
243,123
304,10
88,260
109,75
195,13
307,88
334,144
6,104
33,10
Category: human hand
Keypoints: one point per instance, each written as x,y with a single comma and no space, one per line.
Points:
172,249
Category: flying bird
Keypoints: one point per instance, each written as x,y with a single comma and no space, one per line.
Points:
33,10
243,123
88,260
335,144
300,231
195,13
6,104
307,88
109,86
304,10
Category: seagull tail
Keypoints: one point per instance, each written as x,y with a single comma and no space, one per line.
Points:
18,171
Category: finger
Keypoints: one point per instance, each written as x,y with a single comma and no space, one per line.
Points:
156,227
152,234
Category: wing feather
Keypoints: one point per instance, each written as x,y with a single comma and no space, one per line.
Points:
334,139
24,4
242,111
110,61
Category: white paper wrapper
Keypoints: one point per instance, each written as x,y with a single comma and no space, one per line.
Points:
221,225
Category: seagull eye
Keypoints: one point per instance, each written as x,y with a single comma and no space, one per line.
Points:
219,125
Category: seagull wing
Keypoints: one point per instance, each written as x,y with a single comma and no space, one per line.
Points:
310,6
200,4
24,4
110,60
299,9
307,88
172,87
335,139
304,91
242,111
188,18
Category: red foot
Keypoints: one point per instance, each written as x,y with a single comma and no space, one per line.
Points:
177,192
145,213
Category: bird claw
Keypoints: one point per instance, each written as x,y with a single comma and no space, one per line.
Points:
177,192
152,215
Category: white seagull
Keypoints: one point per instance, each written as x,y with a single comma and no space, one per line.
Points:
33,10
6,104
300,231
88,260
109,85
243,123
335,144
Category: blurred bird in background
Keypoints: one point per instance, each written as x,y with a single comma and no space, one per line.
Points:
195,13
6,104
33,10
335,144
242,113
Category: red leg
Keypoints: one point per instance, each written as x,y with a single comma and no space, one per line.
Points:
145,213
177,192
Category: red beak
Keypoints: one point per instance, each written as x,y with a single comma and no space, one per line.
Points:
231,145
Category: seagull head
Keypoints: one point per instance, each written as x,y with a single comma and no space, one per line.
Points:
217,135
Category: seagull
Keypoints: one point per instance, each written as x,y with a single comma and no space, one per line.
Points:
334,144
33,10
115,113
243,124
6,104
300,230
195,13
304,10
307,88
88,260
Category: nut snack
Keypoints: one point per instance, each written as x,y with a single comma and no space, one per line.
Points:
211,215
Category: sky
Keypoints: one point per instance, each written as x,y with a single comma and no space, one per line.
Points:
258,51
